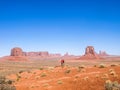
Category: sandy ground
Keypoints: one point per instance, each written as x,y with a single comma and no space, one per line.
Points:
46,74
67,78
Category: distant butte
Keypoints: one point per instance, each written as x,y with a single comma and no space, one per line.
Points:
17,51
17,54
90,53
103,53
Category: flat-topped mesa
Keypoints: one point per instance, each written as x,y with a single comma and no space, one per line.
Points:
55,55
16,52
42,54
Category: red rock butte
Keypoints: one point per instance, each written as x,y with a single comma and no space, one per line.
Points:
16,52
103,53
90,53
42,54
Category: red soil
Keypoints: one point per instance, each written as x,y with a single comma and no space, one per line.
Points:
14,58
89,78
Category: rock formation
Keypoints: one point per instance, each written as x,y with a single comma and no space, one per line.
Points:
103,53
90,50
42,54
55,55
16,51
90,53
66,54
17,54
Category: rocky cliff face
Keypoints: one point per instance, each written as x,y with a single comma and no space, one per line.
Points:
42,54
16,52
90,53
103,53
90,50
19,52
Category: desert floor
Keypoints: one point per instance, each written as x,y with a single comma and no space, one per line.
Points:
47,74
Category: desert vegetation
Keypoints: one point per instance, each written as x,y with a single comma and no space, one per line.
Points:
75,75
6,84
40,73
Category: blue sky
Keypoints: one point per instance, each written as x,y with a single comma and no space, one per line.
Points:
60,26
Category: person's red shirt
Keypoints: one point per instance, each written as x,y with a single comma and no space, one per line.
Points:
62,61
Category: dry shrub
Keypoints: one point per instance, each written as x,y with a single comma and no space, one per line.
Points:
45,85
6,84
68,71
102,66
59,82
109,85
113,65
43,75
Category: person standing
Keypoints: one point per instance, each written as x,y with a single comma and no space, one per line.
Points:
62,62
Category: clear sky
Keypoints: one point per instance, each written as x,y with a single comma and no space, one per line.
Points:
60,26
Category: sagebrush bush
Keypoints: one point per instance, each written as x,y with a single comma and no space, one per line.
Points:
112,65
86,78
2,79
8,81
95,65
110,70
43,75
50,68
112,73
109,85
18,77
37,77
76,76
6,84
21,71
45,85
79,69
68,71
41,68
81,66
102,66
59,82
105,77
7,87
97,76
